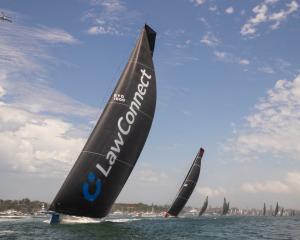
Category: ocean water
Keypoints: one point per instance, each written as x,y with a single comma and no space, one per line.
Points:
225,227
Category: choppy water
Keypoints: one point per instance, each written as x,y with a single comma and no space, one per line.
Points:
216,228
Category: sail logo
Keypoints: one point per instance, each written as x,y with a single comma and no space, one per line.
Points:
91,197
119,97
126,122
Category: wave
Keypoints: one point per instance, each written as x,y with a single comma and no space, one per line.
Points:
12,218
85,220
122,220
5,232
76,220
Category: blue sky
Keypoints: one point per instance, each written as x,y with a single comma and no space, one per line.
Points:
228,79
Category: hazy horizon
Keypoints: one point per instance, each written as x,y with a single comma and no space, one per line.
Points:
228,80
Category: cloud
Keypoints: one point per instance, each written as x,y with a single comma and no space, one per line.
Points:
263,15
221,55
185,44
36,133
211,192
278,17
198,2
95,30
109,17
53,35
213,8
268,186
2,91
178,45
276,65
110,5
273,128
210,40
244,62
39,97
36,144
267,69
229,10
230,58
21,46
40,33
260,11
23,74
291,184
149,175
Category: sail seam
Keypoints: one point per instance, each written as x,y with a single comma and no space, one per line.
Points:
197,165
135,61
146,115
118,160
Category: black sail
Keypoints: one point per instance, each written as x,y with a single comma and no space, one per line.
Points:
224,210
227,208
281,212
276,209
264,210
204,207
188,186
117,140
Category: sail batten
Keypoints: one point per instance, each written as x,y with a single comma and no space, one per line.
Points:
187,186
117,140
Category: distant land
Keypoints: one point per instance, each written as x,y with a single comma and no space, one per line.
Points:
28,207
24,206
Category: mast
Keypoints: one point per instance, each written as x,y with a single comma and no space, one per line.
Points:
204,207
117,140
187,186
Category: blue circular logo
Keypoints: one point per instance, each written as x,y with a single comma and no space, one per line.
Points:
91,197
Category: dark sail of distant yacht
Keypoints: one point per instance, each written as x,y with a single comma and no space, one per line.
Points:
292,213
187,186
204,207
281,212
276,209
117,140
225,208
264,210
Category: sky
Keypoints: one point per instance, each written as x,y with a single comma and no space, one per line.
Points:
228,80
